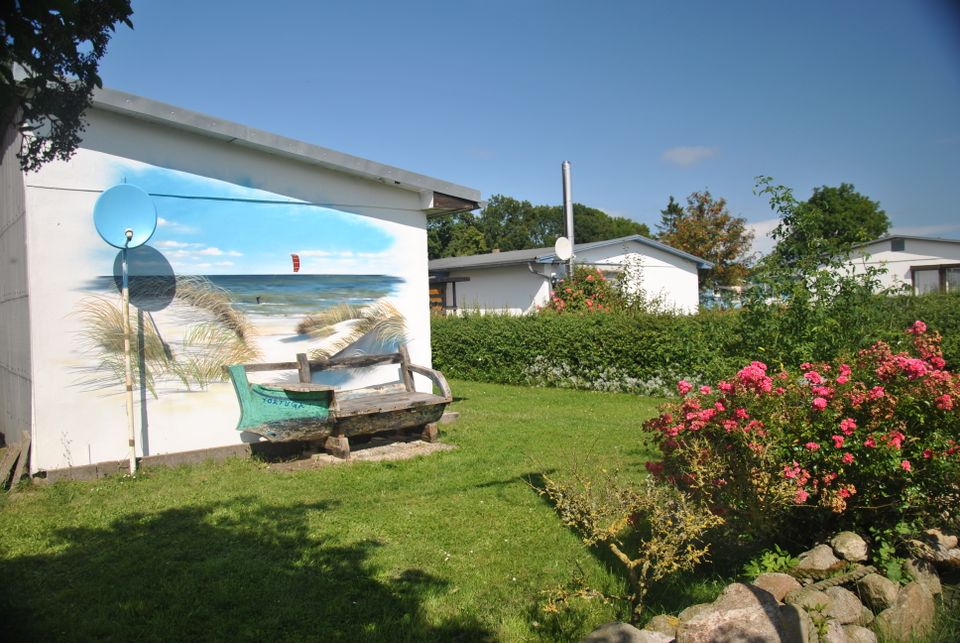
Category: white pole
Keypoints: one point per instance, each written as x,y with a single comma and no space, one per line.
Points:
568,211
126,354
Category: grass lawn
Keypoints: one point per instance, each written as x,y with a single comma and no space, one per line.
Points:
454,546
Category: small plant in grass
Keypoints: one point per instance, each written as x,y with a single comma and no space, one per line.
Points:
769,561
651,529
871,440
884,550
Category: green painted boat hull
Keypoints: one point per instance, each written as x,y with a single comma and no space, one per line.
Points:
280,415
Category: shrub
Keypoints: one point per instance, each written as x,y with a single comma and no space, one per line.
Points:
588,292
652,530
869,440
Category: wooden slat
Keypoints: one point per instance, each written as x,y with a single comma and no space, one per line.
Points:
275,366
21,462
303,366
357,361
6,467
373,404
405,373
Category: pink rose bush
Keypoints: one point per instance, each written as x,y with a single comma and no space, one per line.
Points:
588,292
874,437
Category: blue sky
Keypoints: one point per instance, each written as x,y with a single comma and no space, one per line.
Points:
645,99
202,235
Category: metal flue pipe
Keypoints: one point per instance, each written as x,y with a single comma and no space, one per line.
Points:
568,212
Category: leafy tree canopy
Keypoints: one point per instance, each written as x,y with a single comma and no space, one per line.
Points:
50,51
827,224
706,228
509,224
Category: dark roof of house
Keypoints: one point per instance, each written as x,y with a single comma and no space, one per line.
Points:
447,197
548,255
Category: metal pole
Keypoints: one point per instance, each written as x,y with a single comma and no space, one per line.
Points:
126,354
568,212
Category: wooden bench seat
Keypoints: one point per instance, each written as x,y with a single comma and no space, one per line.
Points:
383,407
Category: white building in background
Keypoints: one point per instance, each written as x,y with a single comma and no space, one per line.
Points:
518,281
921,264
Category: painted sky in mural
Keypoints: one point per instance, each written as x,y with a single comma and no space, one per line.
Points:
212,227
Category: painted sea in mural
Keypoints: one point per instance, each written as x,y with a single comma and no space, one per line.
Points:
286,295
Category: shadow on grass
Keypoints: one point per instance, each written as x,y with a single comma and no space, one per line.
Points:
224,571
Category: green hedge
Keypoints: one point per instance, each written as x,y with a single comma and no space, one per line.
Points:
647,354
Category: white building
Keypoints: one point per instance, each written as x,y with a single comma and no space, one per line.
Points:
922,264
233,204
519,281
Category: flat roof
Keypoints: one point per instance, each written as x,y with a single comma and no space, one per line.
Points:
890,237
449,197
547,255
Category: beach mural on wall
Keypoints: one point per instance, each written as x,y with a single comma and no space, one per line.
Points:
234,275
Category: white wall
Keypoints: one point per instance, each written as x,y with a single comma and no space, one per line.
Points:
75,424
897,264
15,384
671,278
505,289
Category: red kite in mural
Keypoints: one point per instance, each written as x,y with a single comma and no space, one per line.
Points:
296,263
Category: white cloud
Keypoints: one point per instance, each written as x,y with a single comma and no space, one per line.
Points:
224,264
173,225
687,156
211,252
176,244
763,243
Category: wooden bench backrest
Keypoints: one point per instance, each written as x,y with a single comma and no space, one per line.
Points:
306,367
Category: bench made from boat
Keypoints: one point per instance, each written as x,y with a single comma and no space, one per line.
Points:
304,410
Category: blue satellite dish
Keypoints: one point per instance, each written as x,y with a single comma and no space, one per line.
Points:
125,216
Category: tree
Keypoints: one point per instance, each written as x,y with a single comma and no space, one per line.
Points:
50,51
669,217
706,229
828,224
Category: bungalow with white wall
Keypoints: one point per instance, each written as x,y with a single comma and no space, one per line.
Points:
265,247
922,264
518,281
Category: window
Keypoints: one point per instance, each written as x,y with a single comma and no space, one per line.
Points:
898,245
943,278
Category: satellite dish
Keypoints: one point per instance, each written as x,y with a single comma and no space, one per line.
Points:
563,249
125,216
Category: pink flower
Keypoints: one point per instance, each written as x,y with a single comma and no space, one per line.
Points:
927,454
870,443
589,277
741,413
801,496
837,441
847,458
876,393
822,391
791,471
945,403
905,465
726,387
895,439
684,387
706,390
813,377
779,390
719,406
655,468
918,328
819,403
847,425
813,446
